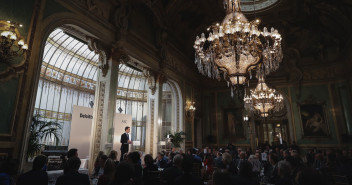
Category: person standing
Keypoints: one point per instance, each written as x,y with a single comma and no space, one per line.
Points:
125,141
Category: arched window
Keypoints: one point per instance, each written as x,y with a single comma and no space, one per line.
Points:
132,97
171,110
68,77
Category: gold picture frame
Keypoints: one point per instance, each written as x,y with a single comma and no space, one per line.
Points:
313,118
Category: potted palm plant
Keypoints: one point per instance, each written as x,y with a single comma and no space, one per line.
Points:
41,129
176,138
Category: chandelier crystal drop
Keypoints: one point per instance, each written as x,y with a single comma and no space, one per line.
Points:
236,47
263,99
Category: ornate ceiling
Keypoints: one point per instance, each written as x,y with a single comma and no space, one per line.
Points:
316,33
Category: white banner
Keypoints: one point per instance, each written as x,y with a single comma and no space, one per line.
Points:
81,125
80,134
120,122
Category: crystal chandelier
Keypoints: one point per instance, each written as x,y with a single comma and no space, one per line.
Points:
11,43
263,99
236,47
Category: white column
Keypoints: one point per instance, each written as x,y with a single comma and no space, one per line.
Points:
104,107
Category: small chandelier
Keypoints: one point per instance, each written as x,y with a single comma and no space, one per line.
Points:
190,108
236,47
263,99
11,43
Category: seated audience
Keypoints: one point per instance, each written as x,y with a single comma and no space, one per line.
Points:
113,157
221,178
37,175
134,159
187,178
102,161
171,173
124,174
72,176
109,168
284,171
73,152
149,168
160,160
96,163
7,172
274,175
245,175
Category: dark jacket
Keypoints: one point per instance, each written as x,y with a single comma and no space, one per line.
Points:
170,174
37,177
124,145
73,178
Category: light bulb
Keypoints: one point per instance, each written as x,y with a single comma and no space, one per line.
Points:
25,47
4,33
21,42
13,37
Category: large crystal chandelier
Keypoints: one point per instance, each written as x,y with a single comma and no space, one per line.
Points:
236,47
263,99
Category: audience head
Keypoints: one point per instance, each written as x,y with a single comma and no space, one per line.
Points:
102,160
257,155
73,152
226,158
160,155
113,155
124,173
242,155
148,160
109,167
133,157
73,163
39,162
273,158
171,156
284,168
178,160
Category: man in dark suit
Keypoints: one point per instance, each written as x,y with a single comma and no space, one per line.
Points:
125,141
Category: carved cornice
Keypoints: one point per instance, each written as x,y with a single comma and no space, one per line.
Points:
104,53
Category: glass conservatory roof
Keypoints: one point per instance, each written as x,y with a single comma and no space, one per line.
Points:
68,61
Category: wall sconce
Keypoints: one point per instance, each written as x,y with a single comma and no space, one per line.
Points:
190,108
11,43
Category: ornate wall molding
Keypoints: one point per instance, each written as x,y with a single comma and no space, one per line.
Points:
152,107
99,119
